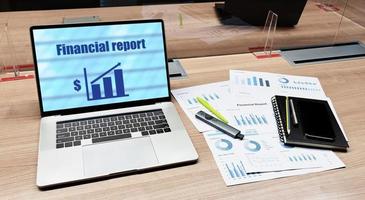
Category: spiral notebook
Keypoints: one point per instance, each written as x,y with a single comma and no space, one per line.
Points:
308,122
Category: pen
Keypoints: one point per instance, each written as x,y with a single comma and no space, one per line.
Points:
294,113
211,109
219,125
287,109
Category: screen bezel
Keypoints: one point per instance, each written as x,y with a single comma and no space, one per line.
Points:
97,107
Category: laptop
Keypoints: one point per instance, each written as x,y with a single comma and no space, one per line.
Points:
104,101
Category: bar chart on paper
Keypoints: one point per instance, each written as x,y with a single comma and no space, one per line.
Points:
236,170
105,90
250,120
208,97
252,81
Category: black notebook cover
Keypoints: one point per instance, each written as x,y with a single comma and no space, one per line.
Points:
308,122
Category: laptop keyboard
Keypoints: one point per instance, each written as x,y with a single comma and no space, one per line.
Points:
111,127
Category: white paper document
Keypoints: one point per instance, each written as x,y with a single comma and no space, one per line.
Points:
227,153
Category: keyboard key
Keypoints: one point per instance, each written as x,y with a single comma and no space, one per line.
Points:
103,134
143,123
121,117
126,131
90,122
95,125
68,139
118,122
63,130
167,130
98,130
154,118
111,133
109,138
149,114
106,129
114,119
95,135
83,122
88,127
134,129
159,131
79,128
119,132
98,120
152,132
158,112
140,120
133,121
78,137
128,126
67,125
87,137
103,124
161,117
135,116
62,135
72,129
158,126
141,129
90,131
128,116
111,124
75,123
121,127
73,133
149,127
68,144
106,120
77,143
160,121
126,121
82,132
147,119
151,123
142,114
136,125
60,145
144,133
59,126
113,128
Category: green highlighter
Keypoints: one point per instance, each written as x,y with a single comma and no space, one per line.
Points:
211,109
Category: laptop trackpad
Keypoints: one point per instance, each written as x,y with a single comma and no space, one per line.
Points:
118,156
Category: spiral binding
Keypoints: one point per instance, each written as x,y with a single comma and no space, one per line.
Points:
278,118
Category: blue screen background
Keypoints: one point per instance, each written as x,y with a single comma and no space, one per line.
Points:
144,70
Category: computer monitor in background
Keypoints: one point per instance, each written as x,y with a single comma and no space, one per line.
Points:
254,12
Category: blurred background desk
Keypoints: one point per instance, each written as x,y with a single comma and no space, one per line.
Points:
194,30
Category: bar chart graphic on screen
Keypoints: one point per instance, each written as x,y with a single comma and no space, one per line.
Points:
102,87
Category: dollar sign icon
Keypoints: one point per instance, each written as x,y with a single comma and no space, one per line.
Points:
77,85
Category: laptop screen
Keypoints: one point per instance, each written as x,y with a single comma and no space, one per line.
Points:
99,64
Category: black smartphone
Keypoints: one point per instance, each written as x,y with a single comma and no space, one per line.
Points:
315,119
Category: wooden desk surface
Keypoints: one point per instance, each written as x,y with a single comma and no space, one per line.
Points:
343,81
199,34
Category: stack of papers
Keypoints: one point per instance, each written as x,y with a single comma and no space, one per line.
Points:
245,100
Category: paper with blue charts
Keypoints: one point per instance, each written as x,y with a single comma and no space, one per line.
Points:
245,100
